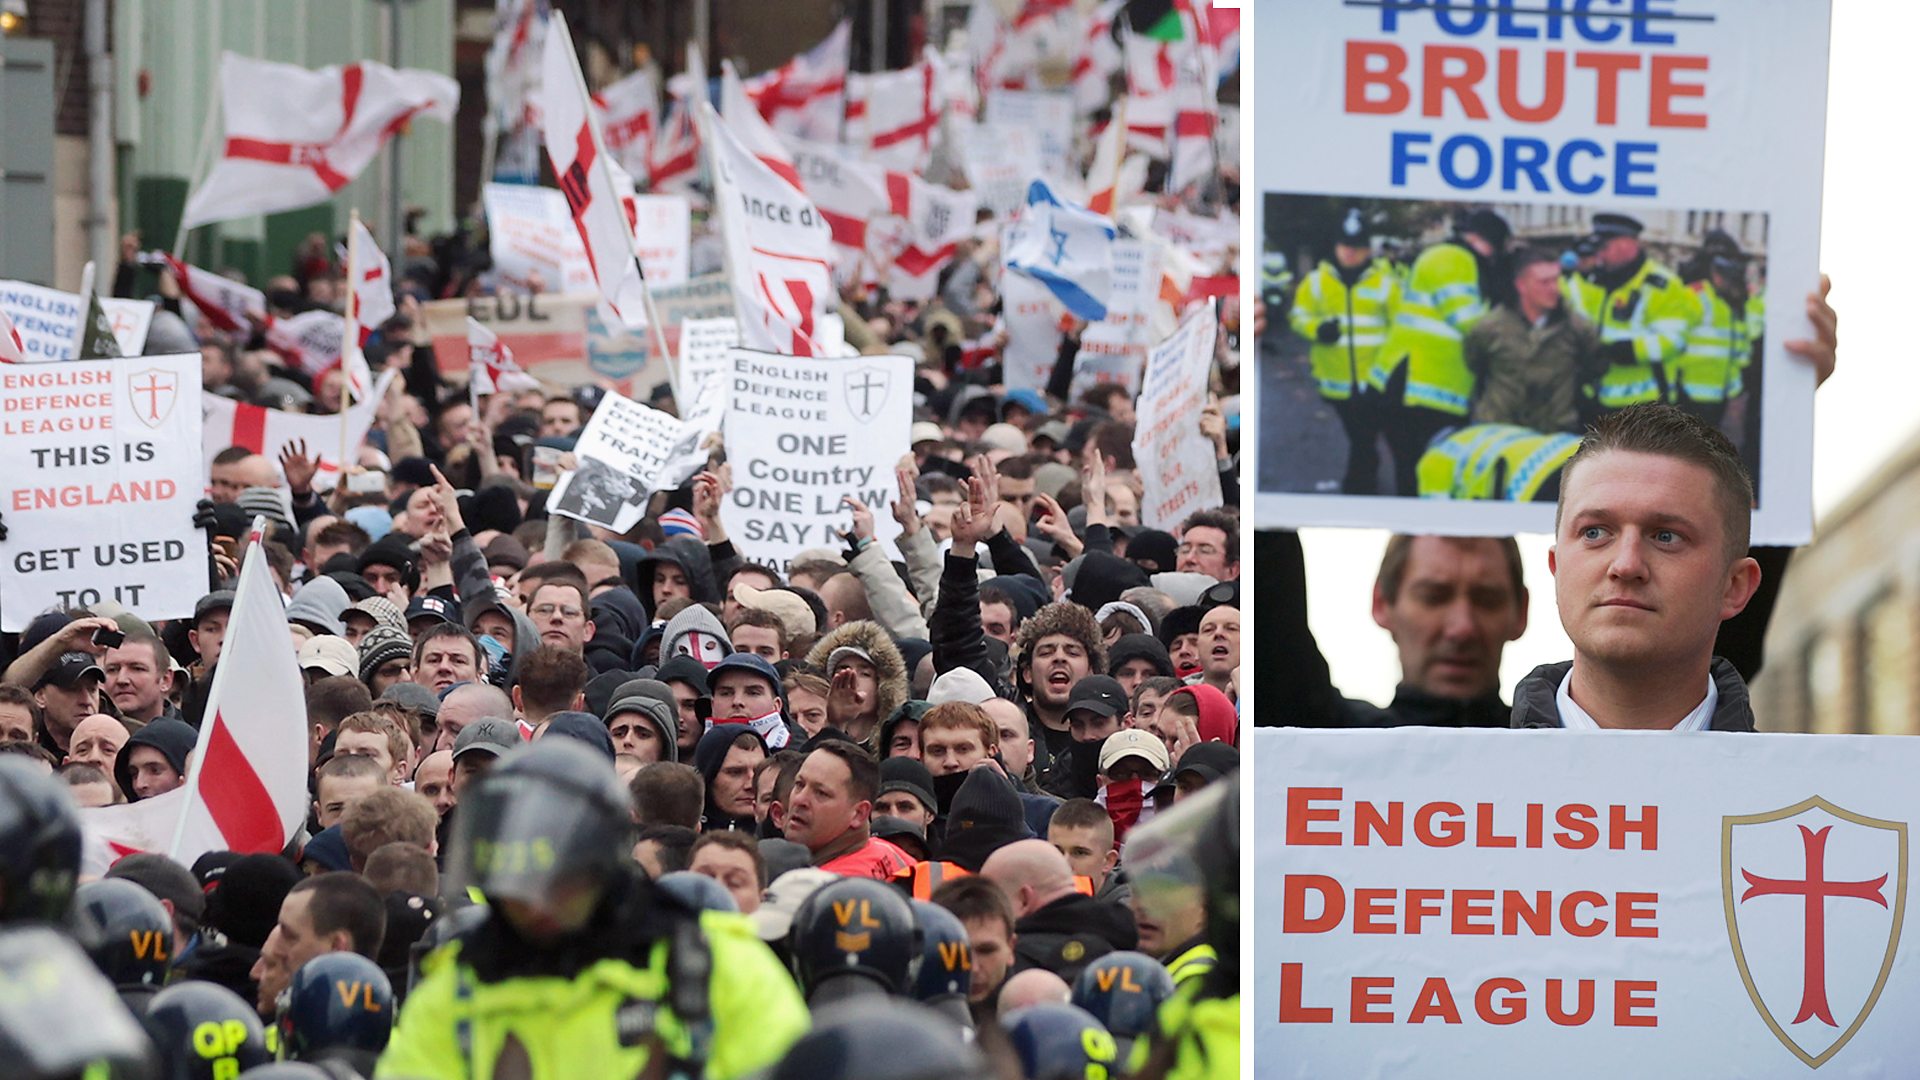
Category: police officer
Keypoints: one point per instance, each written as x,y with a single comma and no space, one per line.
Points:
882,1039
1423,364
1195,847
1124,991
205,1032
1710,374
855,937
1496,461
944,976
1057,1041
339,1007
1343,308
581,966
1642,311
127,932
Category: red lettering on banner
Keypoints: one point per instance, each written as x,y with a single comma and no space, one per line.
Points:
1367,819
1443,79
1291,1010
1484,836
1422,903
1665,89
1301,813
1634,914
1577,819
1469,904
1453,830
1647,826
1570,914
1369,993
1435,999
1511,1011
1606,68
1363,77
1551,99
1293,918
1515,910
1582,1011
1370,906
1630,995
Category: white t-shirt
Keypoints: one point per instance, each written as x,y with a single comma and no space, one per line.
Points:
1575,718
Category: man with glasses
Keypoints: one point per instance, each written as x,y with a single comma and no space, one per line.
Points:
559,611
1210,545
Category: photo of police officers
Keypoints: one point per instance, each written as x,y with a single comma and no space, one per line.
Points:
1458,351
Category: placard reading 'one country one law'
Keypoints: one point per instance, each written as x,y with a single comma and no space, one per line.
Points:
103,468
1443,904
801,434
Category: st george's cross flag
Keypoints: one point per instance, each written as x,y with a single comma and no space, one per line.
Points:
491,368
294,137
369,303
805,97
246,782
226,422
1065,247
12,349
230,305
779,249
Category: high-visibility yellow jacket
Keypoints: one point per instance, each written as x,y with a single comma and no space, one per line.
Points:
1651,309
1493,461
455,1026
1364,313
1204,1033
1442,301
1719,348
1194,963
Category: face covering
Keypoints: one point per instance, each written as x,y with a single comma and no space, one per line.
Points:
1083,768
701,646
770,728
945,786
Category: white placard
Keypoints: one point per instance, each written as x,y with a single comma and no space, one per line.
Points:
530,231
103,465
1176,463
47,318
1114,349
1050,116
1031,315
1689,115
626,452
1000,161
801,434
704,344
1586,905
663,238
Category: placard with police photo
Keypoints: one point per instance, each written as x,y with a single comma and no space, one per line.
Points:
1483,228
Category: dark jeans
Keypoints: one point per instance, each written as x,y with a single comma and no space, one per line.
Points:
1360,419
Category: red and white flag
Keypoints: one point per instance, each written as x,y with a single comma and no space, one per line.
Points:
231,305
369,303
674,162
1097,61
630,119
1152,73
850,195
778,247
294,137
582,166
226,422
805,97
893,116
513,65
491,367
12,349
746,124
935,219
311,340
246,783
1114,179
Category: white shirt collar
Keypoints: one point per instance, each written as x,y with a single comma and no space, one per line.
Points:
1575,718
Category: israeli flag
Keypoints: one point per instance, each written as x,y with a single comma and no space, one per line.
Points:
1065,247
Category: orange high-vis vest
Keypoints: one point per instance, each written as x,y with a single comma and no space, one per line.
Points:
922,878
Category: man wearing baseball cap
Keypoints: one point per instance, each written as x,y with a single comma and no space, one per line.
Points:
1096,708
478,745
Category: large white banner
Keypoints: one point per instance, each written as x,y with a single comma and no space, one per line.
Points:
1114,349
47,320
1702,120
102,465
1177,464
529,232
1472,903
1031,315
803,433
625,454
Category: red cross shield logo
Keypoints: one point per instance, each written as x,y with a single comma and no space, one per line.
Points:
153,392
1815,896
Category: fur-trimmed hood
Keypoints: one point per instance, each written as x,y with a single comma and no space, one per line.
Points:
890,669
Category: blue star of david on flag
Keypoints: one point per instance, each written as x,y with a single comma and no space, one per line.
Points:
1066,247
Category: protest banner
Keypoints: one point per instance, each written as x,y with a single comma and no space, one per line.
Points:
529,233
779,249
47,319
1031,315
1177,464
663,238
562,340
624,454
1114,349
103,456
1582,904
704,344
1000,160
1701,125
803,433
1050,117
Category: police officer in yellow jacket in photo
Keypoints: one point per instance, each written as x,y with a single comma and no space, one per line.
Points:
1712,372
1643,314
1496,461
1422,366
1343,308
582,967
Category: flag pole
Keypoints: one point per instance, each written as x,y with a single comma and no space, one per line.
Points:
199,166
350,339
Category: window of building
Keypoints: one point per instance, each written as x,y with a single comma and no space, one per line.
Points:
1886,667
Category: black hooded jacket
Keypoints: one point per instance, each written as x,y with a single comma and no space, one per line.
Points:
985,815
1066,935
